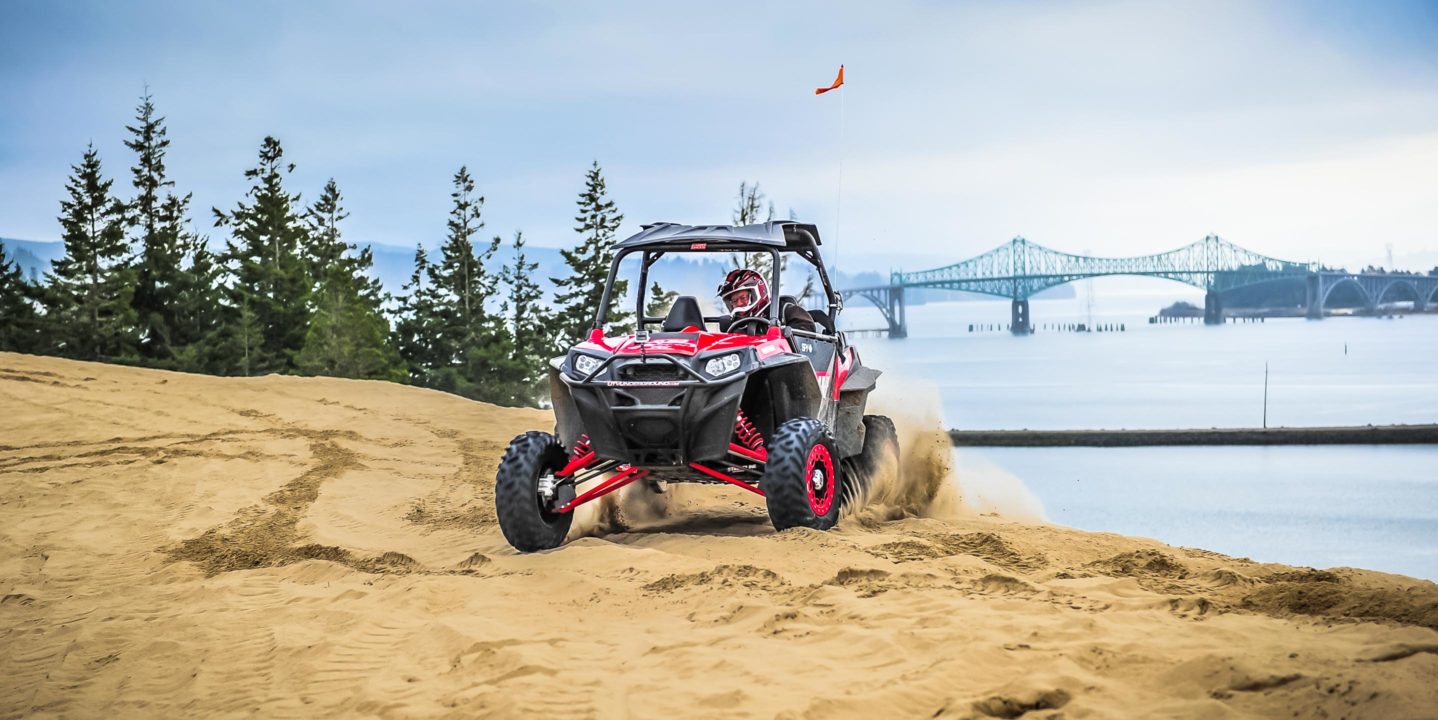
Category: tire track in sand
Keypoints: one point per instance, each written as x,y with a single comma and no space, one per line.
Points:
264,536
466,498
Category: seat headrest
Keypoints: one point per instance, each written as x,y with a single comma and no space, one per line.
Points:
823,320
685,313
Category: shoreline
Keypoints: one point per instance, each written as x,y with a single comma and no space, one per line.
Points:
1426,434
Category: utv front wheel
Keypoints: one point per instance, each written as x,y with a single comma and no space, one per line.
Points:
802,485
527,517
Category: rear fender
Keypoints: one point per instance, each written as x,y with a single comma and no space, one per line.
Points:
853,401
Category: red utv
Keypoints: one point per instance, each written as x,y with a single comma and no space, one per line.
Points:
749,402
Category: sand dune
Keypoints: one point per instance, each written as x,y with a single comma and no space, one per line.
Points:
184,546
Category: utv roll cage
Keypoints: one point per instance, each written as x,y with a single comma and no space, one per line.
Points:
656,240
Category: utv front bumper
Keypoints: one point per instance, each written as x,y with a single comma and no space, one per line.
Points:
655,410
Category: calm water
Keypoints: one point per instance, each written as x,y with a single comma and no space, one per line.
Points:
1367,506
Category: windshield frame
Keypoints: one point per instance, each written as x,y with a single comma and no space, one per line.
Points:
649,256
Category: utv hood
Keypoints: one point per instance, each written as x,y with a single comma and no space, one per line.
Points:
683,344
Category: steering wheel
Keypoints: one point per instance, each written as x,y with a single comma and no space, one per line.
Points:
757,318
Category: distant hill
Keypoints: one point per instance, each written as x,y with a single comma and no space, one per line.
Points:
34,257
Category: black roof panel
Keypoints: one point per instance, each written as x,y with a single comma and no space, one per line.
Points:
786,234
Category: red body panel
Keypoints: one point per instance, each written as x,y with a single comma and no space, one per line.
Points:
766,345
846,365
846,362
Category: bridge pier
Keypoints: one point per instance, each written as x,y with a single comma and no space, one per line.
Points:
1370,304
1019,323
1212,309
1314,298
898,321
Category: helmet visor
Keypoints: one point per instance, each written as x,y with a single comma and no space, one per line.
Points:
742,299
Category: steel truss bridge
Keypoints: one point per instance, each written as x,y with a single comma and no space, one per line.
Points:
1019,269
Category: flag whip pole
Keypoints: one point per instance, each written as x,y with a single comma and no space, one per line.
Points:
839,202
838,84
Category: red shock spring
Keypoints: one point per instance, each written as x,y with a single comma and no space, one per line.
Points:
581,446
748,435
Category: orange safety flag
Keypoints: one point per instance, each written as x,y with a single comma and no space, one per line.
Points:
837,82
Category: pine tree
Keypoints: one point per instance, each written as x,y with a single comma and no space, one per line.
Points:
416,327
471,342
749,209
529,325
461,276
347,336
326,247
235,346
87,300
659,300
268,273
157,217
198,309
579,294
20,329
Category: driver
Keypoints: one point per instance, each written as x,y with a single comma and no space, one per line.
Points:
746,295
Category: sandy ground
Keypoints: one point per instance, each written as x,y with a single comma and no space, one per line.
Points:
184,546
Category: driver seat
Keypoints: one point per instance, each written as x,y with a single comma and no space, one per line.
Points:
684,313
823,320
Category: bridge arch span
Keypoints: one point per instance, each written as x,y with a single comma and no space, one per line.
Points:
890,301
1412,288
879,302
1368,299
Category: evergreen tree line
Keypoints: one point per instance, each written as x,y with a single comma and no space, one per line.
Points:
138,284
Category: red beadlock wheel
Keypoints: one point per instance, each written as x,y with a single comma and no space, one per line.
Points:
820,470
802,484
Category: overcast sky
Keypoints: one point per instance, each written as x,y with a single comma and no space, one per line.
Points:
1302,130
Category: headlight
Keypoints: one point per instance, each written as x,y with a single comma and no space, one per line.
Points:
585,364
722,365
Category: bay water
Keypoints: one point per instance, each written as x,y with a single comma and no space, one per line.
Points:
1322,506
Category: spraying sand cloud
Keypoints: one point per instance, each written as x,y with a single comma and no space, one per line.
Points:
928,481
988,488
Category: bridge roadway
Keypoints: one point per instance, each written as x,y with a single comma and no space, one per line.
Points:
1019,269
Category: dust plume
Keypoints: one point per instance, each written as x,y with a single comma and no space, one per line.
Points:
634,504
989,488
926,482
